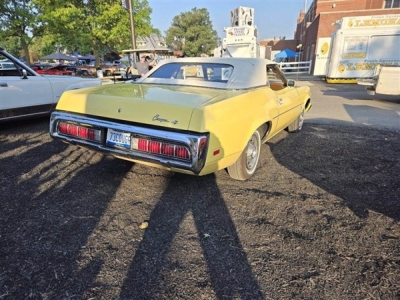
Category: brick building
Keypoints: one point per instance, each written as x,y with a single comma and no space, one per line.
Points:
321,16
276,45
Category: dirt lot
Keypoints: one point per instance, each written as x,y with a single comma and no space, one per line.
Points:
319,220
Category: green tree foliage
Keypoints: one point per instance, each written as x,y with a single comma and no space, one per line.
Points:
193,33
11,44
98,25
18,23
89,26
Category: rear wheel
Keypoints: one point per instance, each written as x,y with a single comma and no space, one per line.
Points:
107,73
246,164
297,124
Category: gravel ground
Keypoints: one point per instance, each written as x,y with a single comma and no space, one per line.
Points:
319,220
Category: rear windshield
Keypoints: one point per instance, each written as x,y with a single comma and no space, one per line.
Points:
196,72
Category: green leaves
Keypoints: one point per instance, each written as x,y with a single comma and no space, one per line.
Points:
88,25
97,26
195,27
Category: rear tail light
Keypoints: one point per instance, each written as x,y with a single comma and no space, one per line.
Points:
161,148
78,131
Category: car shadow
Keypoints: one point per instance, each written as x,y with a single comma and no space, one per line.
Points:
359,164
227,264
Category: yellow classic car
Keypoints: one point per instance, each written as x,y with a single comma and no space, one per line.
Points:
188,115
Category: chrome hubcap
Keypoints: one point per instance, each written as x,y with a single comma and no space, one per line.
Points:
252,153
301,119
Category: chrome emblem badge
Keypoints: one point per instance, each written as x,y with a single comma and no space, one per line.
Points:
162,120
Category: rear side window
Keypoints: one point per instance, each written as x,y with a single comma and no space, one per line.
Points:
195,72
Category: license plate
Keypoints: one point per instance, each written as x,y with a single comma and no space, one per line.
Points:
118,139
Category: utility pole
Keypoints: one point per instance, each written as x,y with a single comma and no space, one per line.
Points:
129,7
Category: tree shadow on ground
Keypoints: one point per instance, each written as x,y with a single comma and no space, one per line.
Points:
228,270
45,219
362,167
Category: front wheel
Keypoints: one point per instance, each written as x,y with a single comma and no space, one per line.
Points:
246,164
297,124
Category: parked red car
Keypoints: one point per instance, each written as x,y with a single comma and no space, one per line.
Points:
41,66
58,70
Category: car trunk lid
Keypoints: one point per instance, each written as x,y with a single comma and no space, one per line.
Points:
158,105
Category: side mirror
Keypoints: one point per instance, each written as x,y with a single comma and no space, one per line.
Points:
24,74
291,82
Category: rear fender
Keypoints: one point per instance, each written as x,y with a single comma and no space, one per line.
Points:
264,129
305,92
227,159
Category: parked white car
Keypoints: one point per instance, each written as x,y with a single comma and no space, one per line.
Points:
27,94
6,64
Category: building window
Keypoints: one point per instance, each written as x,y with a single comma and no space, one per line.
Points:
392,3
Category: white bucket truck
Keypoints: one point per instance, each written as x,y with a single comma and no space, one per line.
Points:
241,38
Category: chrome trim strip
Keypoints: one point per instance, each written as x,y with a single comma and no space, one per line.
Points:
192,141
26,112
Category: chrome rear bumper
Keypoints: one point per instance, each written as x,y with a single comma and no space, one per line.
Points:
198,150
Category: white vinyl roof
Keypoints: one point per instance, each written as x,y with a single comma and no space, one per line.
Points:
247,72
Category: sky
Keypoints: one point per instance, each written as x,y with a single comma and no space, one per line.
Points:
273,18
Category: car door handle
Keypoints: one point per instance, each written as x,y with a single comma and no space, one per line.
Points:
3,84
280,101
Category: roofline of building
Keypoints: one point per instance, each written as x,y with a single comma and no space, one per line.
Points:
370,11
